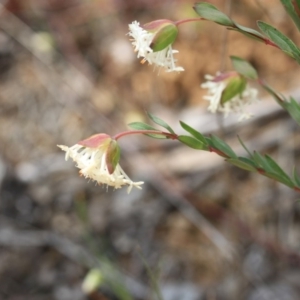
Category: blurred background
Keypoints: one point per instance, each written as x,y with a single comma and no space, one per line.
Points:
199,228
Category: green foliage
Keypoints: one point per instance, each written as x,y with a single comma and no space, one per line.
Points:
235,86
209,12
273,35
256,162
249,32
160,122
222,147
266,166
243,67
292,106
240,163
275,168
191,142
296,178
194,133
282,41
293,9
144,126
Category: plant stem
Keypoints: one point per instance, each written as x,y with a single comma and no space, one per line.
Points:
177,23
129,132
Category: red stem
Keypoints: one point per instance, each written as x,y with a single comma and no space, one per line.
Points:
172,136
177,23
270,43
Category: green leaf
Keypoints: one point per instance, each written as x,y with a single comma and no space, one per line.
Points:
293,108
241,164
141,126
156,136
282,41
248,161
249,32
234,87
144,126
193,132
261,161
243,67
244,146
278,97
276,168
293,9
191,142
160,122
222,147
296,177
279,178
211,13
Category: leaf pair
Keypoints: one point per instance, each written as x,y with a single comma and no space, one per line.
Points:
156,120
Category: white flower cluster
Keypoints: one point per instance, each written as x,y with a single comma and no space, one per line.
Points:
92,164
142,39
234,105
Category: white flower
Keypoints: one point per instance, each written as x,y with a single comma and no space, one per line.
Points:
92,164
142,39
216,87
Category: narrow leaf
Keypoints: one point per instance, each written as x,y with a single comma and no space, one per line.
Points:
160,122
248,161
276,168
277,177
241,164
249,32
282,41
243,67
191,142
296,177
196,134
141,126
261,161
156,136
293,108
222,146
278,97
244,146
144,126
211,13
293,10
